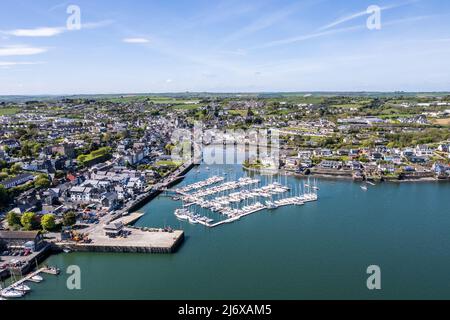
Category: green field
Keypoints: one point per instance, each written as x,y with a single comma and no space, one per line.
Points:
297,99
242,113
168,163
8,111
186,106
346,106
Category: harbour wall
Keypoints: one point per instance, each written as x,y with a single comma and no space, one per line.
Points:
123,248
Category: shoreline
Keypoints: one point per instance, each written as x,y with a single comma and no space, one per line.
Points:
342,177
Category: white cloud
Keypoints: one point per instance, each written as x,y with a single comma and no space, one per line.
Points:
52,31
135,40
37,32
20,51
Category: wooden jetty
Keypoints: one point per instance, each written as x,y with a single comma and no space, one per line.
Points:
28,277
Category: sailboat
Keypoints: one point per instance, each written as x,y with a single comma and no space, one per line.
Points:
22,288
315,187
11,294
37,277
181,214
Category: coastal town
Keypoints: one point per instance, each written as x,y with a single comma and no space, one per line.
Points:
74,171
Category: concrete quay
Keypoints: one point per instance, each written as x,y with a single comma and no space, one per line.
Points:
139,241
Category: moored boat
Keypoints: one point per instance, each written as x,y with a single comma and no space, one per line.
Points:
37,278
22,288
12,294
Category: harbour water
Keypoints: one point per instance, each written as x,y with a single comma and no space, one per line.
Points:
317,251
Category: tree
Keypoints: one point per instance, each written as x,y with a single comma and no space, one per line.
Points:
16,168
42,182
26,150
3,164
106,137
12,218
82,158
48,222
3,175
28,221
69,218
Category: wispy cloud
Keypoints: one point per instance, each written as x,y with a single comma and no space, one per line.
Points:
307,37
52,31
361,14
20,51
8,64
266,21
135,40
221,11
340,30
98,24
59,6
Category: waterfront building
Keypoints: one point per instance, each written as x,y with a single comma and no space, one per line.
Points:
32,240
114,229
328,164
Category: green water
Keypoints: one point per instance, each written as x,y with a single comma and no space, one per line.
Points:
319,250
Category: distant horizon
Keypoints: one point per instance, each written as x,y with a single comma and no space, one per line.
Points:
306,93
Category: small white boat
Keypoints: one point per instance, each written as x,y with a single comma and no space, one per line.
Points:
37,278
22,288
11,294
364,188
192,220
67,250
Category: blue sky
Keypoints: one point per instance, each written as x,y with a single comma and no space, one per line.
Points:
127,46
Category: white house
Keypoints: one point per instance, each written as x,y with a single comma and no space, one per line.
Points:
423,151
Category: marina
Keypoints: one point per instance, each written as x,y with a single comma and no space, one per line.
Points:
198,206
19,289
